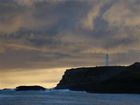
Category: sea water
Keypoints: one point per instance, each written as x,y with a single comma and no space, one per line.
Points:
65,97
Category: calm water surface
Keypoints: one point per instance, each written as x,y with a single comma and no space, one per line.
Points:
65,97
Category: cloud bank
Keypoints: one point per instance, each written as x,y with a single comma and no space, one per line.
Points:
68,33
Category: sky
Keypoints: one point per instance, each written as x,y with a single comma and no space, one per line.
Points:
40,39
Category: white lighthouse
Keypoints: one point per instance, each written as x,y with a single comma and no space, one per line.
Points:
107,60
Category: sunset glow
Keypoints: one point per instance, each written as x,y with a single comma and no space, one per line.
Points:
44,77
40,39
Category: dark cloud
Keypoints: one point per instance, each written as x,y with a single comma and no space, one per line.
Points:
48,34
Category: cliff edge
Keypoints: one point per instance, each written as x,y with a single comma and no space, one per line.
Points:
106,79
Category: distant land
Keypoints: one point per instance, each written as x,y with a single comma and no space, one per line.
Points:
104,79
27,88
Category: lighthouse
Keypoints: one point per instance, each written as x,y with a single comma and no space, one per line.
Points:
107,60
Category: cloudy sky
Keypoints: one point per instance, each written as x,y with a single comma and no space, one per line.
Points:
39,39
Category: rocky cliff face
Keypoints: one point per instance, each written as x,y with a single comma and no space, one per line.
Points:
109,79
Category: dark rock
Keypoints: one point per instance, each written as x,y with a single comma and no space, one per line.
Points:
25,88
106,79
6,89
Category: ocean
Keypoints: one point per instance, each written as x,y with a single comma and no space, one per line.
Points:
65,97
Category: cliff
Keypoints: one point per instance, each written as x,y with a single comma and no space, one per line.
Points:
25,88
107,79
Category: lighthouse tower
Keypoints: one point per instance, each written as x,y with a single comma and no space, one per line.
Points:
107,60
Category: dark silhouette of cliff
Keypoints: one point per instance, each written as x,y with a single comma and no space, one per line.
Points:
25,88
106,79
